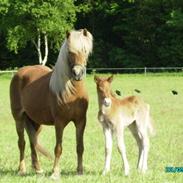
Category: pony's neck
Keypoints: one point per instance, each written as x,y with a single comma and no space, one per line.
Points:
60,81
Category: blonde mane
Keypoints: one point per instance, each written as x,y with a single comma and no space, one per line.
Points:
61,82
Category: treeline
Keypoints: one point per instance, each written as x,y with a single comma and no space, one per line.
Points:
127,33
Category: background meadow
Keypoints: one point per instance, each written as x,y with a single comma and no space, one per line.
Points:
166,147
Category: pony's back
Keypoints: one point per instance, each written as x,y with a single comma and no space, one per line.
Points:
20,80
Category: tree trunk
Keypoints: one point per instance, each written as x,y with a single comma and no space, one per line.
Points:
38,47
46,49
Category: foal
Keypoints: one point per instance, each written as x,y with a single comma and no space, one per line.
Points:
116,114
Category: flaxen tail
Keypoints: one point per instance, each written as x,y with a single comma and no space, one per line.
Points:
33,139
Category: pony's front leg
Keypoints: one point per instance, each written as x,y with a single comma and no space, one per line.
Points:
80,127
122,148
108,148
58,151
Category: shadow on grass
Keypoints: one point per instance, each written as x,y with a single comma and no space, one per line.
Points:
5,172
64,173
74,173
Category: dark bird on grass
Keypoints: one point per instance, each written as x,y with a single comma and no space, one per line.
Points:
138,91
118,92
174,92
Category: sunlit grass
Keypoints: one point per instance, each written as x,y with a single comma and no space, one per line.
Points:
166,147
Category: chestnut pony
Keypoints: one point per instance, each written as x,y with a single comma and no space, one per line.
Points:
40,96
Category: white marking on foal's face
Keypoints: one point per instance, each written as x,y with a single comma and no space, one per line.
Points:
107,102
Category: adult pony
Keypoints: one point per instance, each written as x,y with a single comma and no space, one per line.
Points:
40,96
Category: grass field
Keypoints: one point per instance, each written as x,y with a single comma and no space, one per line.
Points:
166,147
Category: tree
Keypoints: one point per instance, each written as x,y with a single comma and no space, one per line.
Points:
36,21
135,33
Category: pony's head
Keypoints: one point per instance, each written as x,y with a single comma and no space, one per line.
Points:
71,62
79,45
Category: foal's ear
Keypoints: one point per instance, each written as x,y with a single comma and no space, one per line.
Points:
96,79
110,79
67,34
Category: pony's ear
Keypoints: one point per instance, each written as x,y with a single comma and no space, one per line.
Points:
96,79
85,32
67,34
110,79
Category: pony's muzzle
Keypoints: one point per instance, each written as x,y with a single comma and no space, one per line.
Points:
78,72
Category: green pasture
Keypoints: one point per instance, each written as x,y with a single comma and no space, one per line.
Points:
166,147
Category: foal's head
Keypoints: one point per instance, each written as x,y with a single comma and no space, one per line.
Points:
79,46
104,89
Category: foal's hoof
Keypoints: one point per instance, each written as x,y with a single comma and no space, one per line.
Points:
127,172
105,172
55,176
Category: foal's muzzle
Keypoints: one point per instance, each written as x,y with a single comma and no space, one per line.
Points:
107,102
78,72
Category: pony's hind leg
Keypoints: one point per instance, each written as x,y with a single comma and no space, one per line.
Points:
21,145
33,129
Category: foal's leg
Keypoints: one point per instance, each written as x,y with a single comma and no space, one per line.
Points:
108,148
21,145
145,146
80,127
134,131
142,131
58,150
122,148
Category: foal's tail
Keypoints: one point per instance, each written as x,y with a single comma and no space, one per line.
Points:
150,122
33,139
150,126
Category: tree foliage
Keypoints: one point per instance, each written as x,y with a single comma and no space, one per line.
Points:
127,33
136,33
24,21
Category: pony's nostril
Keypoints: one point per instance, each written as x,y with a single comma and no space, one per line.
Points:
75,72
78,72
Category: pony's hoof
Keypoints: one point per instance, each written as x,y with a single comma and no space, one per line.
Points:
40,171
21,173
80,172
55,176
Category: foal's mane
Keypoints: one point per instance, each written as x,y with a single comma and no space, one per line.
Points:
61,82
